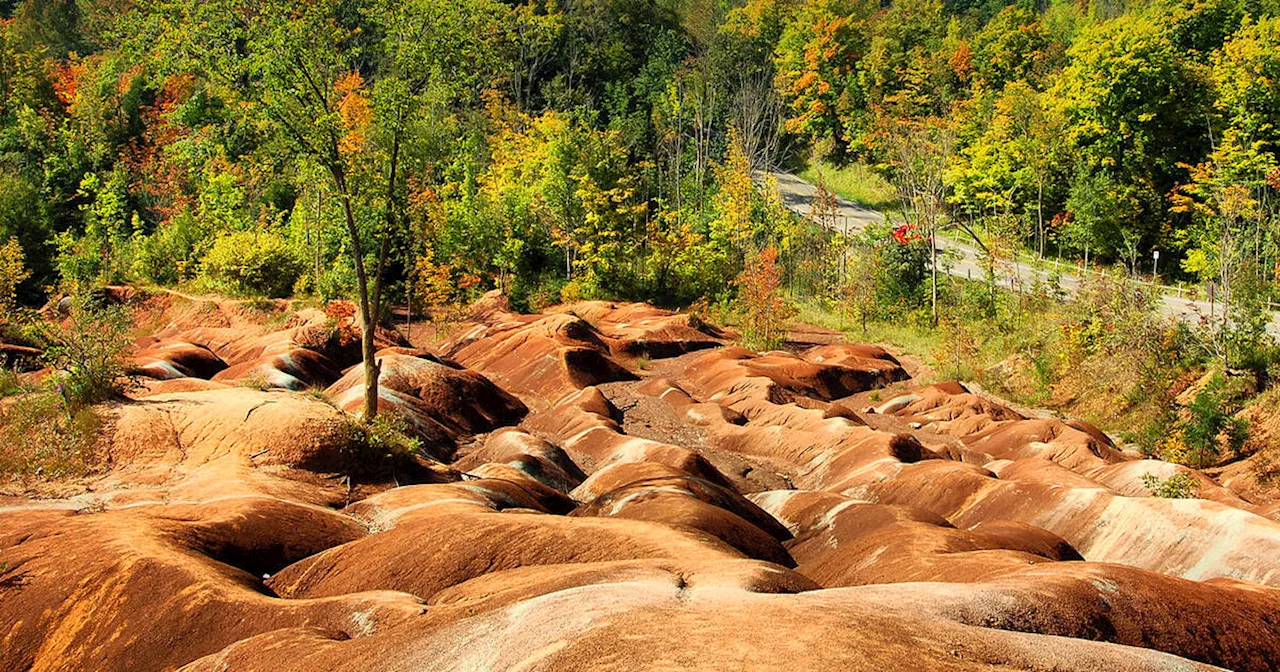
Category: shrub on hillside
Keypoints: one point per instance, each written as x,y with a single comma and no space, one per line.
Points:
535,293
897,263
1211,418
957,355
386,438
13,271
1207,427
1178,486
1112,313
338,280
88,351
1242,341
171,254
253,262
79,262
11,383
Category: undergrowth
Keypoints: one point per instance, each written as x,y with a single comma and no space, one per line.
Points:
1177,486
11,383
387,436
51,431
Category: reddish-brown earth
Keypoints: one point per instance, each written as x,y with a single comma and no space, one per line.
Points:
610,487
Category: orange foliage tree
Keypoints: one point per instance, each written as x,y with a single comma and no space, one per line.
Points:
765,310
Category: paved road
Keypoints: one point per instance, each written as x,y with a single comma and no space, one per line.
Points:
965,261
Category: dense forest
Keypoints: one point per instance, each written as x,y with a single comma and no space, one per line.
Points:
605,148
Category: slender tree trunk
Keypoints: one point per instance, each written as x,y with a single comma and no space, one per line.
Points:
1224,286
1040,216
368,349
408,297
933,273
315,252
389,222
679,156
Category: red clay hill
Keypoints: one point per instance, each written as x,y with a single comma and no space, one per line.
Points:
610,487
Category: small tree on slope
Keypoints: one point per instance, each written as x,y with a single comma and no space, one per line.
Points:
764,309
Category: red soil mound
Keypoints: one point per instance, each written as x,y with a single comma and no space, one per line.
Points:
541,359
441,401
177,359
673,623
689,502
156,587
730,511
538,459
640,330
469,534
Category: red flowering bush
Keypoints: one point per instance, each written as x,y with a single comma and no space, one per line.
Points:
906,234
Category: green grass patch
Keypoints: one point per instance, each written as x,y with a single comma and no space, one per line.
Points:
911,339
855,182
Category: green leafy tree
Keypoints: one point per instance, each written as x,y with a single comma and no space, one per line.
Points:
919,153
1105,215
1210,423
1012,47
1230,235
13,271
1134,105
1246,77
890,271
296,69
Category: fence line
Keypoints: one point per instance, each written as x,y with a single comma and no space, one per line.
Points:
848,224
845,224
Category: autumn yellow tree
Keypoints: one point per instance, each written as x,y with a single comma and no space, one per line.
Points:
13,272
732,229
1229,228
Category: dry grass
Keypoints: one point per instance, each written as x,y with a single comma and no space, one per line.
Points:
43,440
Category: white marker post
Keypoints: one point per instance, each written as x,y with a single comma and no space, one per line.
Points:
1155,261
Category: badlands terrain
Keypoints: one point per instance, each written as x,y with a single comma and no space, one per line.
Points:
610,487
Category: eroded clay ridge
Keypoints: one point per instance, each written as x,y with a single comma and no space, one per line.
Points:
612,487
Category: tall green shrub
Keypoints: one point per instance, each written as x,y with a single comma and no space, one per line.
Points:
260,263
